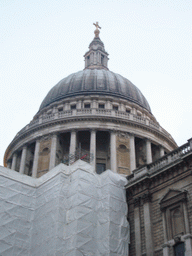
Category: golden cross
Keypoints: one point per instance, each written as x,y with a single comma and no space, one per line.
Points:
97,25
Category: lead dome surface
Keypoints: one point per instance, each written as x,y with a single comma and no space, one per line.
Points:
95,81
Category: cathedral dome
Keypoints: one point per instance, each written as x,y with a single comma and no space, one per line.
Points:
94,115
95,81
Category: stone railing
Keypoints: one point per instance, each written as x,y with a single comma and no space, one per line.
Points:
166,160
95,112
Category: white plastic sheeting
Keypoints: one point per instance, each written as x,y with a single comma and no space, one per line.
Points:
69,211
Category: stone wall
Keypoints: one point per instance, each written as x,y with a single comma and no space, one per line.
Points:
44,156
123,154
170,191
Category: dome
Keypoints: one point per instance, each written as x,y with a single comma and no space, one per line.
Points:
95,81
94,115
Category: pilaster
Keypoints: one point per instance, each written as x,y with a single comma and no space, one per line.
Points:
137,226
148,224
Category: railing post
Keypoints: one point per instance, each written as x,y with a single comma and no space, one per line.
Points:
190,143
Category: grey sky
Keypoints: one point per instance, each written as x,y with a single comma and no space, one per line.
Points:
149,42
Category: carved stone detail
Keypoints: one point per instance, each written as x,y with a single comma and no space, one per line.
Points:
147,197
137,202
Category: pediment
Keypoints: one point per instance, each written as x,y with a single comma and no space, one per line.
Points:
172,196
170,193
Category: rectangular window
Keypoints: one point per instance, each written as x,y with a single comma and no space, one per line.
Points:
87,105
179,249
115,107
73,106
101,106
60,109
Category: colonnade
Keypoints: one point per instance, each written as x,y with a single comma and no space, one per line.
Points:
72,149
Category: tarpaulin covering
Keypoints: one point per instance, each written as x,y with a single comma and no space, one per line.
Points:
69,211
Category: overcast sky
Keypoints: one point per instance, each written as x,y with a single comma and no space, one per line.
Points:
148,41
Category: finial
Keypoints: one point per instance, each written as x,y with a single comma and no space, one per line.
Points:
97,30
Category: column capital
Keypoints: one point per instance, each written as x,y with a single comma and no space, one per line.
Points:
54,134
131,134
147,197
137,202
123,134
113,131
15,154
93,130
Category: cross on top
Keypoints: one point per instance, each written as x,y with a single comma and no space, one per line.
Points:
97,25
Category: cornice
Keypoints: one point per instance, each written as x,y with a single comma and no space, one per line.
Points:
164,177
116,120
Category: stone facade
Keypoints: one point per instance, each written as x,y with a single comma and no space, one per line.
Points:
160,205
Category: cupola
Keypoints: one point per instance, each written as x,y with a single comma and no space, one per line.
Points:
96,57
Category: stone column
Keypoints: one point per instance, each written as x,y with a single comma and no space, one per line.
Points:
188,244
14,160
73,142
9,165
113,157
148,151
35,160
187,237
165,245
93,148
132,153
23,160
137,227
162,152
148,224
53,152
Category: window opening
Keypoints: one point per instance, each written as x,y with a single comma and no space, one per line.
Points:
73,106
100,168
101,106
115,107
87,105
179,249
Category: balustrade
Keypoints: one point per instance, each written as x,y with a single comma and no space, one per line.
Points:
169,158
95,111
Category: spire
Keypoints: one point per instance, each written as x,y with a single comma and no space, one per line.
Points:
96,57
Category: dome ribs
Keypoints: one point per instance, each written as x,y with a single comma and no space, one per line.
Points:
73,87
115,84
95,81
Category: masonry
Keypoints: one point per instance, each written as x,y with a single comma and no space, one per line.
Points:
160,205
